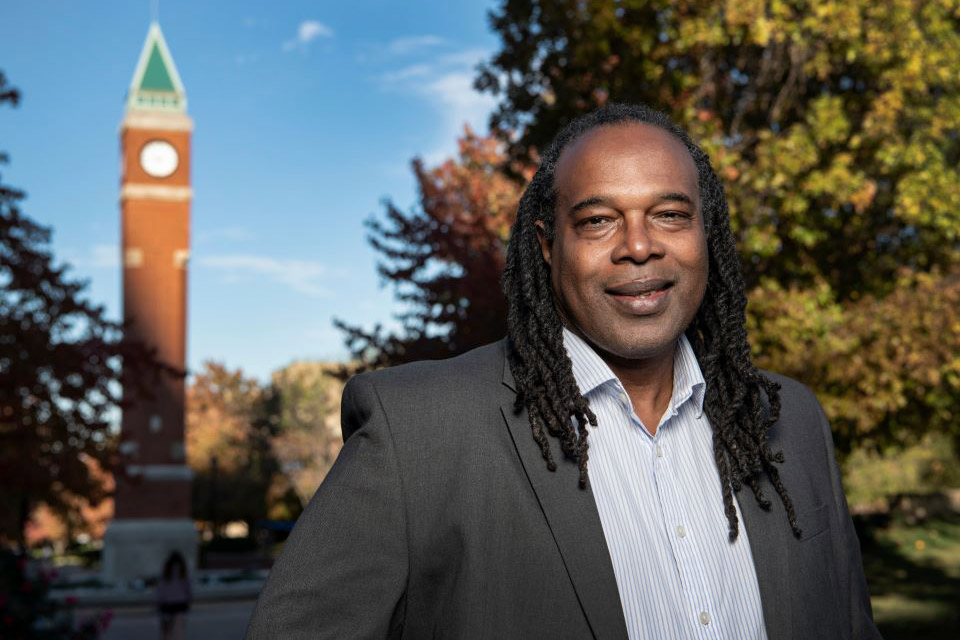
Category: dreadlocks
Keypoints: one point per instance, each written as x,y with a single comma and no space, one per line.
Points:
741,403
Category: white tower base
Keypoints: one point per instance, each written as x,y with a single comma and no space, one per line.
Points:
138,548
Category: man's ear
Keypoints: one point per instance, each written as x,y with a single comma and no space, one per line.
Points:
545,248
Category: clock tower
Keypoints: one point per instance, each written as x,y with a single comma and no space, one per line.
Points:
152,514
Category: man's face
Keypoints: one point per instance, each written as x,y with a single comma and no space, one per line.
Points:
628,261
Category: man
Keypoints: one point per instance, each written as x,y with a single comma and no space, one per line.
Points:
449,512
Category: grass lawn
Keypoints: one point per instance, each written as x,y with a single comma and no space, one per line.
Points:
914,577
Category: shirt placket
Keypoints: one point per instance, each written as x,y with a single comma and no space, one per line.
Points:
677,526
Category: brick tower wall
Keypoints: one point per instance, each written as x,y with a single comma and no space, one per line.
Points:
155,228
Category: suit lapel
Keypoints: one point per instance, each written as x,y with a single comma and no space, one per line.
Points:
769,541
572,516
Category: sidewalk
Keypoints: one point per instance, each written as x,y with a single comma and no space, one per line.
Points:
206,621
208,587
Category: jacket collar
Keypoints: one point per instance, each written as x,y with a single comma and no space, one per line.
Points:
571,513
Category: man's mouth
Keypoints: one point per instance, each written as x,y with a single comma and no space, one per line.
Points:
641,297
640,288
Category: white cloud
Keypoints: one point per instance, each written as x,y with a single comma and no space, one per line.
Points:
463,106
446,85
407,73
308,31
412,44
303,276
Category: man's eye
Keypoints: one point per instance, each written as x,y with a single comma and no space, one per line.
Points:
673,215
593,221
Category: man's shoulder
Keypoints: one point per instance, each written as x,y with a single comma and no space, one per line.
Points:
420,397
792,390
479,367
802,421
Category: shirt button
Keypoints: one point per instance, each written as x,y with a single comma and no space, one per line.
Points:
681,532
659,451
623,397
704,618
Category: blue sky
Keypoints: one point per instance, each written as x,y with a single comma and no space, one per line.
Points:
307,115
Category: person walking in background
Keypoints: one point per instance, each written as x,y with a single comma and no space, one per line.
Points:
173,597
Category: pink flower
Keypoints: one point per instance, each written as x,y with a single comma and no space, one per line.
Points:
105,619
70,600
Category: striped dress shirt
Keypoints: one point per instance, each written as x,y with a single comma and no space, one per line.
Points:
661,509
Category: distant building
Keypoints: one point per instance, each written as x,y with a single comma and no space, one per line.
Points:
153,515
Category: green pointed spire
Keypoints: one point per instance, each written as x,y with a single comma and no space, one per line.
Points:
156,77
156,84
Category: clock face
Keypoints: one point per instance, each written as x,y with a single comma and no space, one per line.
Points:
159,159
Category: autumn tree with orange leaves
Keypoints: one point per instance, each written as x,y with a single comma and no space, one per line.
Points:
231,424
445,257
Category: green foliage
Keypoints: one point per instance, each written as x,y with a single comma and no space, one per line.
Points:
835,124
885,367
836,128
308,437
872,478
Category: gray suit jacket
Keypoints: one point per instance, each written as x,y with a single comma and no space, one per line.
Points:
440,519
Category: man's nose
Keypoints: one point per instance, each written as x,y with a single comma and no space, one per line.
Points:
637,241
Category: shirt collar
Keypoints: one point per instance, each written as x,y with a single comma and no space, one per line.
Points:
591,372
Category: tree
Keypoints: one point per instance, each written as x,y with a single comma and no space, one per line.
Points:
445,258
836,128
232,422
81,520
261,451
308,439
60,373
834,124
